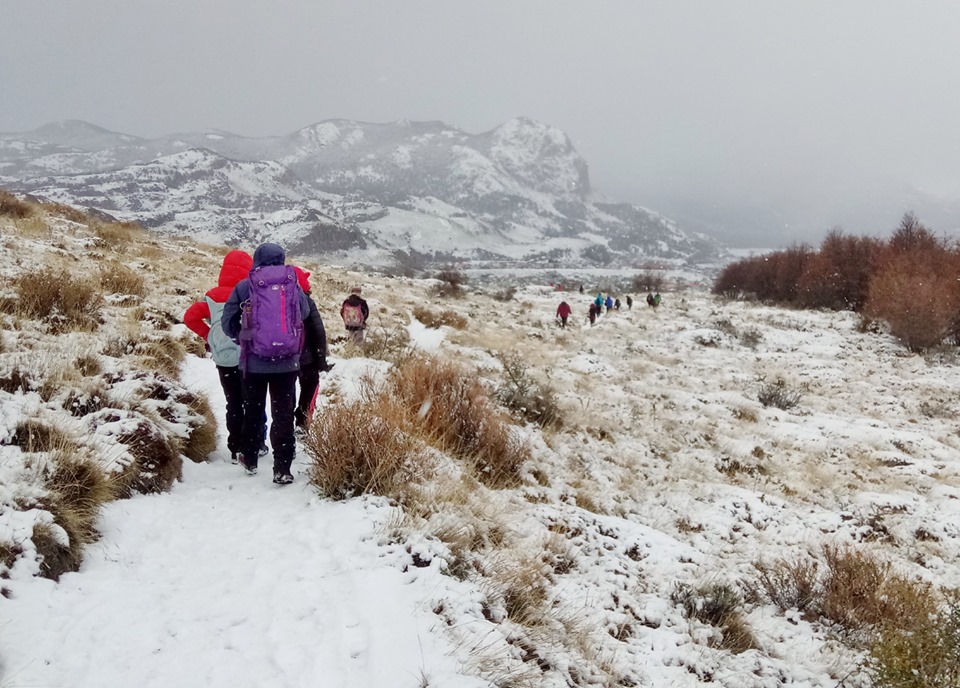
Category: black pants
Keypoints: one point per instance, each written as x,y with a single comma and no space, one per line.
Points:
309,381
231,380
283,392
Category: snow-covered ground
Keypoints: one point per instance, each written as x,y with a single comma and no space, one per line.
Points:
667,470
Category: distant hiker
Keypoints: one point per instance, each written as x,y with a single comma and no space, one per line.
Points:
581,288
650,300
656,299
355,312
593,313
609,302
629,302
203,318
598,302
563,312
616,304
265,315
313,358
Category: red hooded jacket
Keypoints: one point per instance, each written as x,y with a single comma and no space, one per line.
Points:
236,266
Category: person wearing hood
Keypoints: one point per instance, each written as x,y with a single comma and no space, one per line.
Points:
313,360
354,311
203,318
276,375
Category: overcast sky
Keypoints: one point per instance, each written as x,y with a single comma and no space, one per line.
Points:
790,115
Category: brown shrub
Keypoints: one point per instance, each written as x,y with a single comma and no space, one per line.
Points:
11,206
920,649
451,283
88,365
117,278
917,294
838,275
364,447
524,395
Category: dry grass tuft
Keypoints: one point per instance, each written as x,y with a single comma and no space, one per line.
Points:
88,365
61,300
203,434
33,436
455,413
117,278
56,558
78,490
364,448
164,355
91,396
778,393
118,235
156,461
435,320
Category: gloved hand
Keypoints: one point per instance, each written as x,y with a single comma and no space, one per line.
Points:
324,367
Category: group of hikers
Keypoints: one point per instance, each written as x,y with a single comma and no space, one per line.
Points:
600,305
265,335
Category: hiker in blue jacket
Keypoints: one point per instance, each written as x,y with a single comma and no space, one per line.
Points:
261,374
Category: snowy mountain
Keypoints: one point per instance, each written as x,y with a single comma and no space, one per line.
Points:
518,193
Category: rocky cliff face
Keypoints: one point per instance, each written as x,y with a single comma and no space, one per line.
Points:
519,193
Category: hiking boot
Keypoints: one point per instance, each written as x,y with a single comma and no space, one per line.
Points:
233,458
280,478
263,449
251,469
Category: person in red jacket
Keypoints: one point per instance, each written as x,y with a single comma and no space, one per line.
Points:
563,312
203,318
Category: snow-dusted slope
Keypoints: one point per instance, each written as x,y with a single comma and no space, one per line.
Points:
518,192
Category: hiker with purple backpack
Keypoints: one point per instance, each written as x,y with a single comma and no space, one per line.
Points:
265,315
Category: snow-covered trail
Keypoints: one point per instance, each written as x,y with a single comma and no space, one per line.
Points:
229,580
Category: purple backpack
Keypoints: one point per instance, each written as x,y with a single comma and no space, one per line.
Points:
272,325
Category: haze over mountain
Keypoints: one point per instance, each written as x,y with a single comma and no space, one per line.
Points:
517,193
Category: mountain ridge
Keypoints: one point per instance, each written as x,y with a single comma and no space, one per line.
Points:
518,192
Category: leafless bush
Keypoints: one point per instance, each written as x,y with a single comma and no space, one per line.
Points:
719,605
521,393
648,280
451,282
789,583
778,393
505,294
